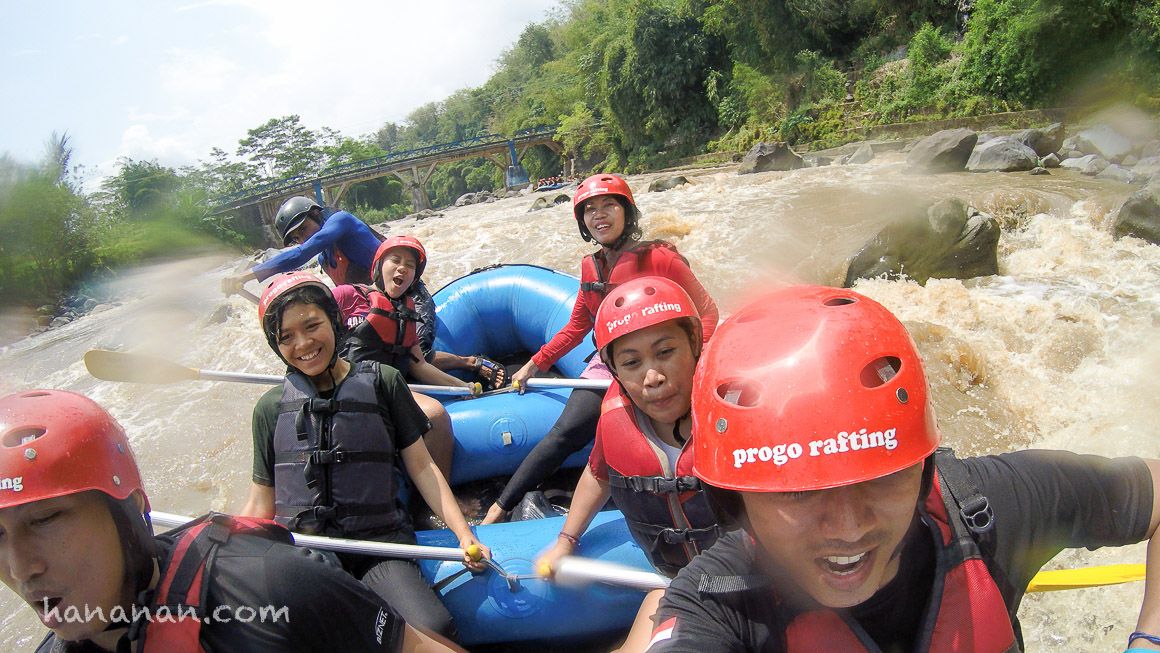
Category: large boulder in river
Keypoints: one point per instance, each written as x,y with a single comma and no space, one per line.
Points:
1104,141
1044,141
857,154
661,184
1002,155
1140,215
550,200
765,157
945,151
951,241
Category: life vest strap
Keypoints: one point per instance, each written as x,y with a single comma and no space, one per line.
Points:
332,457
674,536
656,484
731,584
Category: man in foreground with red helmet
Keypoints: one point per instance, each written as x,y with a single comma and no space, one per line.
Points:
77,545
816,439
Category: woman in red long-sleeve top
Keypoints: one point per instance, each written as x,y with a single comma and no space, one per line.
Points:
606,213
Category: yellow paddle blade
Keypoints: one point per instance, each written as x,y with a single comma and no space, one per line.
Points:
135,368
1069,579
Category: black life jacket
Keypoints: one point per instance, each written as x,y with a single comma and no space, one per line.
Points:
334,458
388,332
637,261
971,614
665,510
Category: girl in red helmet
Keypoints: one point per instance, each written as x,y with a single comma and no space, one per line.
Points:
77,545
393,323
649,335
326,443
817,444
606,213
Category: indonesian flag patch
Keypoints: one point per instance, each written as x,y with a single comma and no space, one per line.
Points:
663,632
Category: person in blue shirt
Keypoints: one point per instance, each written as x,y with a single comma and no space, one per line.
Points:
344,245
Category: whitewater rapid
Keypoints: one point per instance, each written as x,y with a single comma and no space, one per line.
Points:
1057,351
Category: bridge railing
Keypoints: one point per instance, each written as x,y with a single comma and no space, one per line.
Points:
330,172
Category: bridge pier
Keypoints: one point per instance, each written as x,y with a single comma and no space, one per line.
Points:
417,184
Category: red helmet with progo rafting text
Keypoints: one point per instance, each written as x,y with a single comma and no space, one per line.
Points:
282,284
54,443
409,242
641,303
810,388
606,184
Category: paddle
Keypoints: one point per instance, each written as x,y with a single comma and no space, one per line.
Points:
587,384
385,549
571,570
1067,579
143,368
249,295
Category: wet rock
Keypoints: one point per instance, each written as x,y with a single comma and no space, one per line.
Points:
59,322
1116,173
1002,155
47,309
1140,215
661,184
1069,146
859,155
766,157
1093,162
90,304
818,161
219,315
1150,149
466,199
44,320
1050,161
910,146
1039,170
1147,167
1044,141
424,214
1095,166
944,151
1129,161
1104,141
549,201
951,240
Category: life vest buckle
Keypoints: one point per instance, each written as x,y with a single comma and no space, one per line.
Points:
977,514
320,405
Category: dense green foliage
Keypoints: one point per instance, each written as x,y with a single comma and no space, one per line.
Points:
633,85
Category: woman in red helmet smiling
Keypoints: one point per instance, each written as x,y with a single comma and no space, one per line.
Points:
605,213
649,335
326,444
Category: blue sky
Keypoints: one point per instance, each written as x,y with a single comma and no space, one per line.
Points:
170,80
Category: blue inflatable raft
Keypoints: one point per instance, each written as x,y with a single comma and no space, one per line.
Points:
486,610
501,311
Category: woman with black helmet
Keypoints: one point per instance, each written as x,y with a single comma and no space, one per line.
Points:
343,244
77,545
325,446
606,213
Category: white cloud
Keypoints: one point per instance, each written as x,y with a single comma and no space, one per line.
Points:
120,40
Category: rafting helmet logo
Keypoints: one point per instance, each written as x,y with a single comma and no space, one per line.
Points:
639,304
823,383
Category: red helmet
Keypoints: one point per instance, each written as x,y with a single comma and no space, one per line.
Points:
410,242
282,284
599,185
810,388
639,304
54,443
